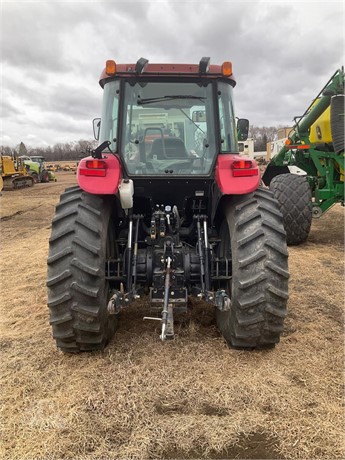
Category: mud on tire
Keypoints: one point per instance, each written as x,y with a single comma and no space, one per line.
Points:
294,196
253,237
77,289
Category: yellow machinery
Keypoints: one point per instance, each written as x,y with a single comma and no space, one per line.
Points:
320,130
14,174
321,133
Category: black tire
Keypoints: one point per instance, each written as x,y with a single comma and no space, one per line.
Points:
294,196
35,177
44,176
253,236
77,289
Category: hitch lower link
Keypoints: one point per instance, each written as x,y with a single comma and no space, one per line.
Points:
219,299
119,299
167,312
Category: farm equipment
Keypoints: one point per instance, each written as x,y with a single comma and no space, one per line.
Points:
307,174
36,169
52,176
14,174
247,147
53,168
167,209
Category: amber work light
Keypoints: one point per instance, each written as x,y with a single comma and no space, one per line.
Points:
110,67
227,68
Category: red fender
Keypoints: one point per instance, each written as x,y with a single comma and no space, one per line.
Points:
100,178
233,181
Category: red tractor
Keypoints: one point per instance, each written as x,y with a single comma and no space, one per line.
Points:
166,207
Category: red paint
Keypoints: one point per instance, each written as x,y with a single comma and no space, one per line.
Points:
229,184
106,183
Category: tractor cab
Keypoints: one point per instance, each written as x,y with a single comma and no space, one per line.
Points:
170,121
168,128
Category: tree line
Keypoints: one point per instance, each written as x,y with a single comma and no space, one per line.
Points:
67,151
73,151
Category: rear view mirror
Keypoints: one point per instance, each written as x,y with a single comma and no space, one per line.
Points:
199,116
242,129
96,127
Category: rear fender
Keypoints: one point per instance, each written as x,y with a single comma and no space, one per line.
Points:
100,185
272,171
229,184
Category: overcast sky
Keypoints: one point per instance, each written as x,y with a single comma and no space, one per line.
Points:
53,52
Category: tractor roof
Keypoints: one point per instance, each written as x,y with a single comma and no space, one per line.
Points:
142,68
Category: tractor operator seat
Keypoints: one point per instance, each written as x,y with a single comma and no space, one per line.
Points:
169,148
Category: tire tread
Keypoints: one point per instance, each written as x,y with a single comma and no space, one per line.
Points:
76,278
294,197
259,286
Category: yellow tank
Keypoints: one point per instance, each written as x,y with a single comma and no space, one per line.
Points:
320,131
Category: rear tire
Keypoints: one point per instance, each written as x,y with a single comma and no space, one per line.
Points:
45,176
35,177
77,289
253,237
294,196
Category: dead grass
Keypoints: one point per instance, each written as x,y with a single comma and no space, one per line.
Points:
189,398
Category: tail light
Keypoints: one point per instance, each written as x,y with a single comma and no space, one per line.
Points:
244,168
94,168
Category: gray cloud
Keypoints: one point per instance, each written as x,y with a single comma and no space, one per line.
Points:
54,52
8,110
29,37
75,102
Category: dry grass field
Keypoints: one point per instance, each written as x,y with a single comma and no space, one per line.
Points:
189,398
